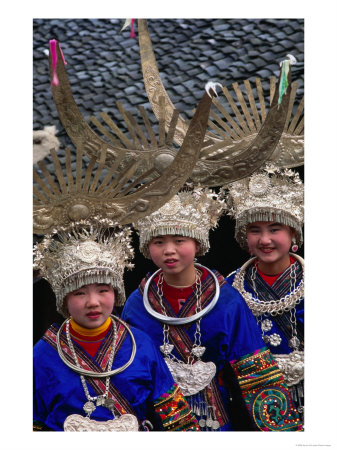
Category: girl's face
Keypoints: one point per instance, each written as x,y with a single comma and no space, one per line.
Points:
173,254
270,242
91,305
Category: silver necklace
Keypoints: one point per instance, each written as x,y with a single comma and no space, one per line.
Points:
272,307
90,373
180,320
76,422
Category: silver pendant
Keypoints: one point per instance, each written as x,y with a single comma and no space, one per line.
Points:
202,423
100,401
291,366
109,404
275,339
191,378
215,425
294,342
166,349
266,325
209,423
198,351
105,402
126,422
89,407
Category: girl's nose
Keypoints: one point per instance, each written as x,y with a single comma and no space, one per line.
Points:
265,238
169,248
92,299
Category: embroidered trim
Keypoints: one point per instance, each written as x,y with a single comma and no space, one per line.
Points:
265,392
175,412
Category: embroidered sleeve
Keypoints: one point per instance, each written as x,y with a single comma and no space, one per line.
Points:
265,392
175,412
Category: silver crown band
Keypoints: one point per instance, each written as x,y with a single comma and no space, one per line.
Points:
269,195
189,213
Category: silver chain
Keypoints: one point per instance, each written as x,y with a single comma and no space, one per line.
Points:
294,341
197,334
166,327
261,317
272,307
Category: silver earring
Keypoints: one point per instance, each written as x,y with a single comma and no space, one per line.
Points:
294,247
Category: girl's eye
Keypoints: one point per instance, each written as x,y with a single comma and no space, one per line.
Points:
274,230
79,293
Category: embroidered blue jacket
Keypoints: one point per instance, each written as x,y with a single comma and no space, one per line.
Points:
58,391
230,334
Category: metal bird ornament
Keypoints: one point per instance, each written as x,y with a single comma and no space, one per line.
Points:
239,139
125,178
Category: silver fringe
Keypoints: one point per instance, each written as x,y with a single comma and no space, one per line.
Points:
265,215
79,279
173,229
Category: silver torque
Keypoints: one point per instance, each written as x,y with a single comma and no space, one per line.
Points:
180,320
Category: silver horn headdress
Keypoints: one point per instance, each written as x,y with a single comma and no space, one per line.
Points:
129,178
240,139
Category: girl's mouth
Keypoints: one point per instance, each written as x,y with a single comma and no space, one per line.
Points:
170,262
93,315
266,249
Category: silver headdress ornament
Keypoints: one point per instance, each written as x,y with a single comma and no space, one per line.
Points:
189,213
135,174
83,254
78,212
271,194
237,144
242,134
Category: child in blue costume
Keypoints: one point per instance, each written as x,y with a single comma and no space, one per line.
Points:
206,332
95,373
269,212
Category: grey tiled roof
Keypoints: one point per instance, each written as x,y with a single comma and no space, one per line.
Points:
103,63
